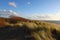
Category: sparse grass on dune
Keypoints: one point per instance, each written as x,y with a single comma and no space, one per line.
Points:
29,30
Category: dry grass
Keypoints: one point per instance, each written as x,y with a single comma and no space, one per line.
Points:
31,30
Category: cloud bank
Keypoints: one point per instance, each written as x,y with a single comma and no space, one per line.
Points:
53,16
5,13
35,16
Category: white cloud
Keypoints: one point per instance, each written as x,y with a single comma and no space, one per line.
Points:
12,4
53,16
5,13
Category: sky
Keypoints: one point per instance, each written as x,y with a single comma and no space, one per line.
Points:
31,9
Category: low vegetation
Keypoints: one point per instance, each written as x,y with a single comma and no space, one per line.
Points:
29,30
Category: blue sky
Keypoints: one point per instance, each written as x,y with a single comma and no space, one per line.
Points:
33,9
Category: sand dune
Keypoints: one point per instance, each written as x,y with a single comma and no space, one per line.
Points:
17,28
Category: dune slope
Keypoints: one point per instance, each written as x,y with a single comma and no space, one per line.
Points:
23,29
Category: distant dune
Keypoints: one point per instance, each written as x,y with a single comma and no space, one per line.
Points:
18,28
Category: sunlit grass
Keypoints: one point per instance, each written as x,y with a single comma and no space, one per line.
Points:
33,30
